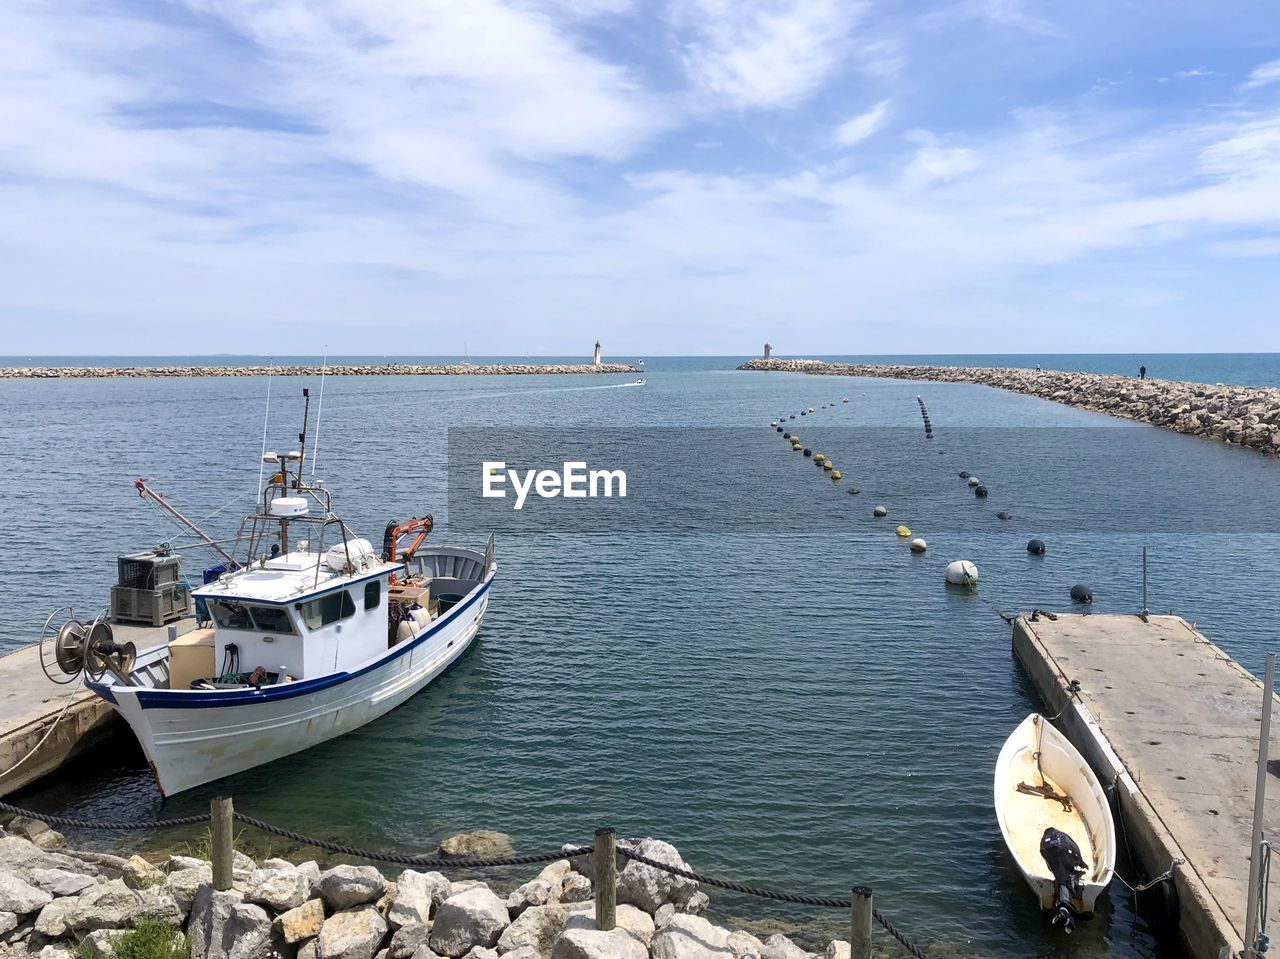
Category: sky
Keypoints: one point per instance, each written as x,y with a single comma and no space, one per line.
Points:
670,177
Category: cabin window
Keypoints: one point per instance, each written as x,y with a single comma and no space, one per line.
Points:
268,619
272,619
372,594
327,609
230,615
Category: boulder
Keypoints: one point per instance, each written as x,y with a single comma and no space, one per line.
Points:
139,874
524,952
247,933
301,922
108,905
553,873
636,921
183,885
475,917
650,888
481,844
20,856
101,942
60,882
416,894
580,943
210,916
56,950
37,832
779,946
480,952
664,914
407,939
351,934
838,949
344,887
8,923
179,863
691,937
155,903
577,888
746,946
19,896
696,904
277,887
307,950
310,871
535,892
462,885
534,928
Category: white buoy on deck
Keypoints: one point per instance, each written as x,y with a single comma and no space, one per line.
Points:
962,573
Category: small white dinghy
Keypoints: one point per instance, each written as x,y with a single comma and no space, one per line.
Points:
1055,819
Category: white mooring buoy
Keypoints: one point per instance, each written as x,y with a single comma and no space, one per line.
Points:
962,573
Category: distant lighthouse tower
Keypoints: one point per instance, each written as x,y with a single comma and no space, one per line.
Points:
768,351
595,360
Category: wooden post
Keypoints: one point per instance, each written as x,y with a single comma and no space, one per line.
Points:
606,885
220,831
860,930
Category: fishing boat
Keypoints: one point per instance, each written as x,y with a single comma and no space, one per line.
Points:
306,632
1055,820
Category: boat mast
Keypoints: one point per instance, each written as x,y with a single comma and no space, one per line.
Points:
302,436
147,493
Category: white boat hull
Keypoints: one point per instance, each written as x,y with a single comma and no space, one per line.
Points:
1023,818
191,738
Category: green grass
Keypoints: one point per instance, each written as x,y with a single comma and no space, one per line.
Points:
149,939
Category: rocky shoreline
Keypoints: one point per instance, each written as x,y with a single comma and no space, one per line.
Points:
1243,415
56,903
381,369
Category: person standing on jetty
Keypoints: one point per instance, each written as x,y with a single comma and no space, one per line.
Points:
1142,372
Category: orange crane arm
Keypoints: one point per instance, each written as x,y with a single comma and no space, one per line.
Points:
391,551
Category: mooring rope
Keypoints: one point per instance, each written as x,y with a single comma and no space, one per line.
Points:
70,822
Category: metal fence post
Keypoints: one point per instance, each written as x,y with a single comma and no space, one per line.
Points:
606,884
1251,921
860,931
220,818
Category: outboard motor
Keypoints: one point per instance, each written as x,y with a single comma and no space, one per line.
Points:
1062,856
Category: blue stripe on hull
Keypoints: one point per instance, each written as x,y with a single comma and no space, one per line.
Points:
197,699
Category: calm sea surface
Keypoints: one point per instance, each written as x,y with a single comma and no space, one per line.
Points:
798,703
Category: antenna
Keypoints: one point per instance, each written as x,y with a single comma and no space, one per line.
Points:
266,418
315,446
302,436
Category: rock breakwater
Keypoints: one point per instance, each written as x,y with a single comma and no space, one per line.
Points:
380,369
1244,415
56,903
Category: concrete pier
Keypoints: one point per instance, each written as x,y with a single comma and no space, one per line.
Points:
53,723
1173,721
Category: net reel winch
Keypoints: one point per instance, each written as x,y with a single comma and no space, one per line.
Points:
77,648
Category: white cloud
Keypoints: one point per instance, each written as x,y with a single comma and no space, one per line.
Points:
763,53
1262,75
933,163
859,128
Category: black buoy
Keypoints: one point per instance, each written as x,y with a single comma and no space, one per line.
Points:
854,492
964,474
1004,516
980,491
1081,593
786,436
807,451
1036,547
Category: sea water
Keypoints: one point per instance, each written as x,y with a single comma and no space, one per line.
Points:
783,691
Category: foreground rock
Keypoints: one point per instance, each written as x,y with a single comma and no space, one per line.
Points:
56,903
481,844
1244,415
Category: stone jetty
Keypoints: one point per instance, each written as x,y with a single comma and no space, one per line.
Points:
1244,415
380,369
56,903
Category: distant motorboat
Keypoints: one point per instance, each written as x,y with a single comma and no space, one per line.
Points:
639,362
639,382
1055,819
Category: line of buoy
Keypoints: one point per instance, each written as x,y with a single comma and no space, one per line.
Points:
903,531
961,573
918,545
879,511
924,412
